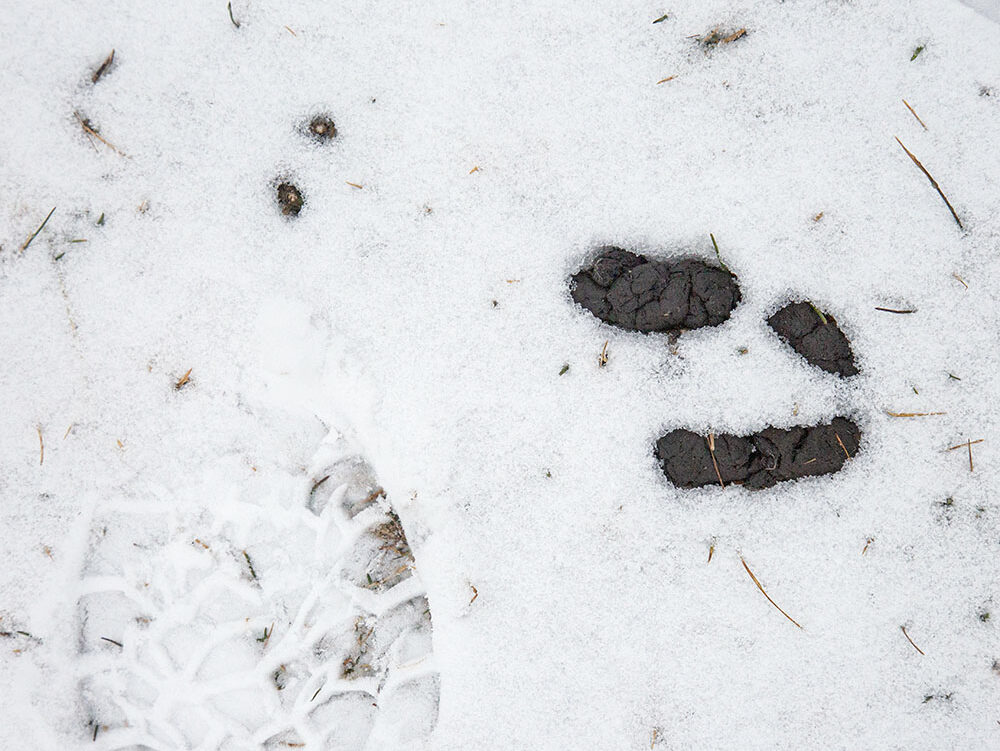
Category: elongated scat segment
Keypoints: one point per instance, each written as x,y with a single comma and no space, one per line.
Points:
816,338
641,294
760,460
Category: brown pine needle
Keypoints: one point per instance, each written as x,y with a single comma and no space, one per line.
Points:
711,552
846,452
475,593
868,542
933,182
355,185
91,132
734,36
291,32
41,446
903,629
35,233
664,80
711,451
961,280
474,169
966,443
184,380
757,582
971,468
914,414
914,113
894,310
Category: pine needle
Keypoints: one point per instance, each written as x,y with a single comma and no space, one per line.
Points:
914,113
903,629
933,182
711,451
757,582
35,233
914,414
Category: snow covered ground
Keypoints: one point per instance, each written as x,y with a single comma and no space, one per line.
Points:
185,365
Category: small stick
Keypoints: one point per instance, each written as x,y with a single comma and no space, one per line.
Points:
96,727
475,593
235,22
846,452
68,429
91,132
711,451
734,36
961,280
711,552
184,380
963,445
602,359
914,113
893,310
868,542
35,233
355,185
903,628
755,581
112,641
914,414
933,182
664,80
291,32
41,446
316,694
103,69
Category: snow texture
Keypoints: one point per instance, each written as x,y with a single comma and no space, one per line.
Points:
181,356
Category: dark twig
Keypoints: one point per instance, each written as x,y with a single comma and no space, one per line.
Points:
914,113
893,310
235,22
933,182
104,68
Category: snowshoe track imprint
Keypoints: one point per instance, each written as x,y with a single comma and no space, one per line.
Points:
240,625
635,293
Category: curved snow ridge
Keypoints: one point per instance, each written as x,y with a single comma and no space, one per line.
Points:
247,625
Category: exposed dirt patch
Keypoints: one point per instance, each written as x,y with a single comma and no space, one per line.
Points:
641,294
760,460
289,199
816,336
322,128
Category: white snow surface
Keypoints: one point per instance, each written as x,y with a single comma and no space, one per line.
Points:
426,317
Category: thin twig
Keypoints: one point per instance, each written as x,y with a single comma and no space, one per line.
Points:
894,310
757,582
914,113
903,629
914,414
933,182
960,279
104,68
112,641
475,592
35,233
963,445
235,22
846,452
711,451
91,132
664,80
